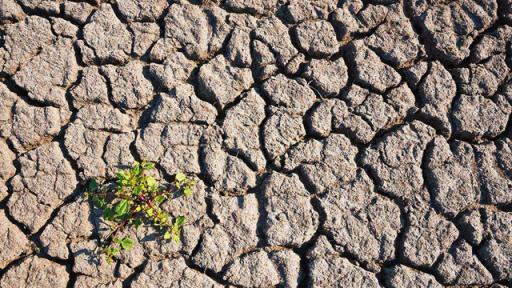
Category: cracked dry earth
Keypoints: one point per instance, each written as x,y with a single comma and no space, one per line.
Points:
336,144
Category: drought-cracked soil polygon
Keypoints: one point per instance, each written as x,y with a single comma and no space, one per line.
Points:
352,143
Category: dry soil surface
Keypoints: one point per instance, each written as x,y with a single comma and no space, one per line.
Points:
359,143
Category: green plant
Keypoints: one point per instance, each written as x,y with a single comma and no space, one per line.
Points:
134,200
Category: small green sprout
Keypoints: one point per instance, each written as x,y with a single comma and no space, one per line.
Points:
135,200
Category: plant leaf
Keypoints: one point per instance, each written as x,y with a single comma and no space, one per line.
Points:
122,208
126,243
180,177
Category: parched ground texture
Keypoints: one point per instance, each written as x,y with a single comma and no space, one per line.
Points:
359,143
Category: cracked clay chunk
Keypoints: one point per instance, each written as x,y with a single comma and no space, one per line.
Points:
324,163
175,70
364,223
495,173
91,88
295,96
272,32
290,218
482,79
10,12
199,32
108,37
476,117
280,131
461,267
48,74
22,41
450,27
369,70
182,105
436,91
261,269
86,146
297,11
7,100
329,269
263,7
175,146
38,272
133,10
221,83
105,118
234,234
7,169
45,179
130,89
451,175
396,159
72,221
13,243
241,126
316,38
395,40
34,125
229,174
169,273
329,77
427,236
403,276
496,251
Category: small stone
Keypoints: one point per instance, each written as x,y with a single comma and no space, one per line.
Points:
395,39
262,269
436,91
105,118
297,11
272,32
264,7
396,161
